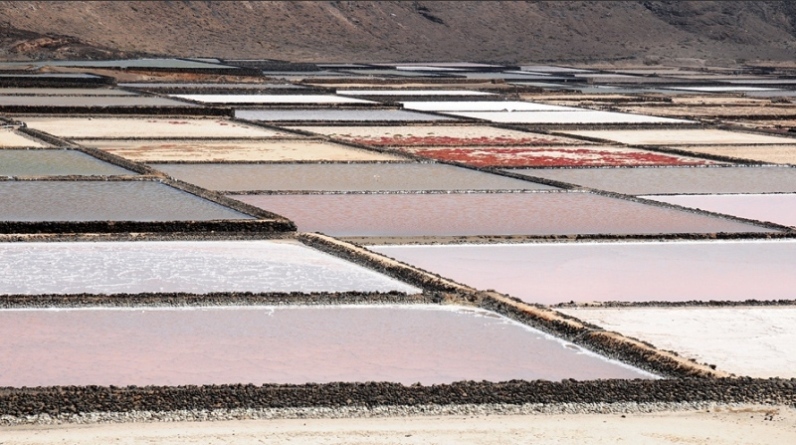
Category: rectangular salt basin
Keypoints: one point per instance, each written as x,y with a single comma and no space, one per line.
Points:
436,135
779,154
779,208
680,137
723,89
341,177
65,92
567,156
236,150
12,139
540,213
271,99
219,85
289,345
336,115
674,271
509,106
199,267
105,201
150,127
640,181
408,92
91,101
54,163
566,117
748,341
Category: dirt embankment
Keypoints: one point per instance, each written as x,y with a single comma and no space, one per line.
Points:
392,30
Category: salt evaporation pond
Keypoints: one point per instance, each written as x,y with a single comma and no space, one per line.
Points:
566,117
148,127
483,106
748,341
12,139
638,181
552,156
681,137
780,154
65,92
236,150
778,208
551,273
436,135
451,214
271,99
91,101
291,345
409,92
341,177
105,201
199,267
53,163
337,115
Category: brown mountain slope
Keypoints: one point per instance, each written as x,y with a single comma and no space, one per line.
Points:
418,31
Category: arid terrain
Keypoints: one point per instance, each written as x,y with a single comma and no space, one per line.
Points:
651,31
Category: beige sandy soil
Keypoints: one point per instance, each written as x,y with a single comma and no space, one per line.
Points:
236,150
778,154
680,137
12,139
721,426
131,127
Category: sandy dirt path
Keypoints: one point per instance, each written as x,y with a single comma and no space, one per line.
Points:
752,425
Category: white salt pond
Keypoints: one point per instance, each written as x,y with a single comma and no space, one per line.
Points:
336,115
342,177
778,208
566,117
54,163
453,214
12,139
181,266
408,92
292,345
638,181
507,106
271,99
105,201
551,273
747,341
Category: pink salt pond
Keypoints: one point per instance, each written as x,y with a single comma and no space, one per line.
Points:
166,346
453,214
551,273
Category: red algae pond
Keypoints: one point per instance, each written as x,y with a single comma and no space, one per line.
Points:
218,345
553,156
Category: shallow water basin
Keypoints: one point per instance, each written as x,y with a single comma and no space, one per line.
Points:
779,208
54,163
450,214
284,345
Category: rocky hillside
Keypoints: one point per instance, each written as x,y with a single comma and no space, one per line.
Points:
402,31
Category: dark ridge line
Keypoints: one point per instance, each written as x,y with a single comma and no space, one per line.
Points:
146,236
676,304
392,192
213,299
578,238
110,227
68,400
117,110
